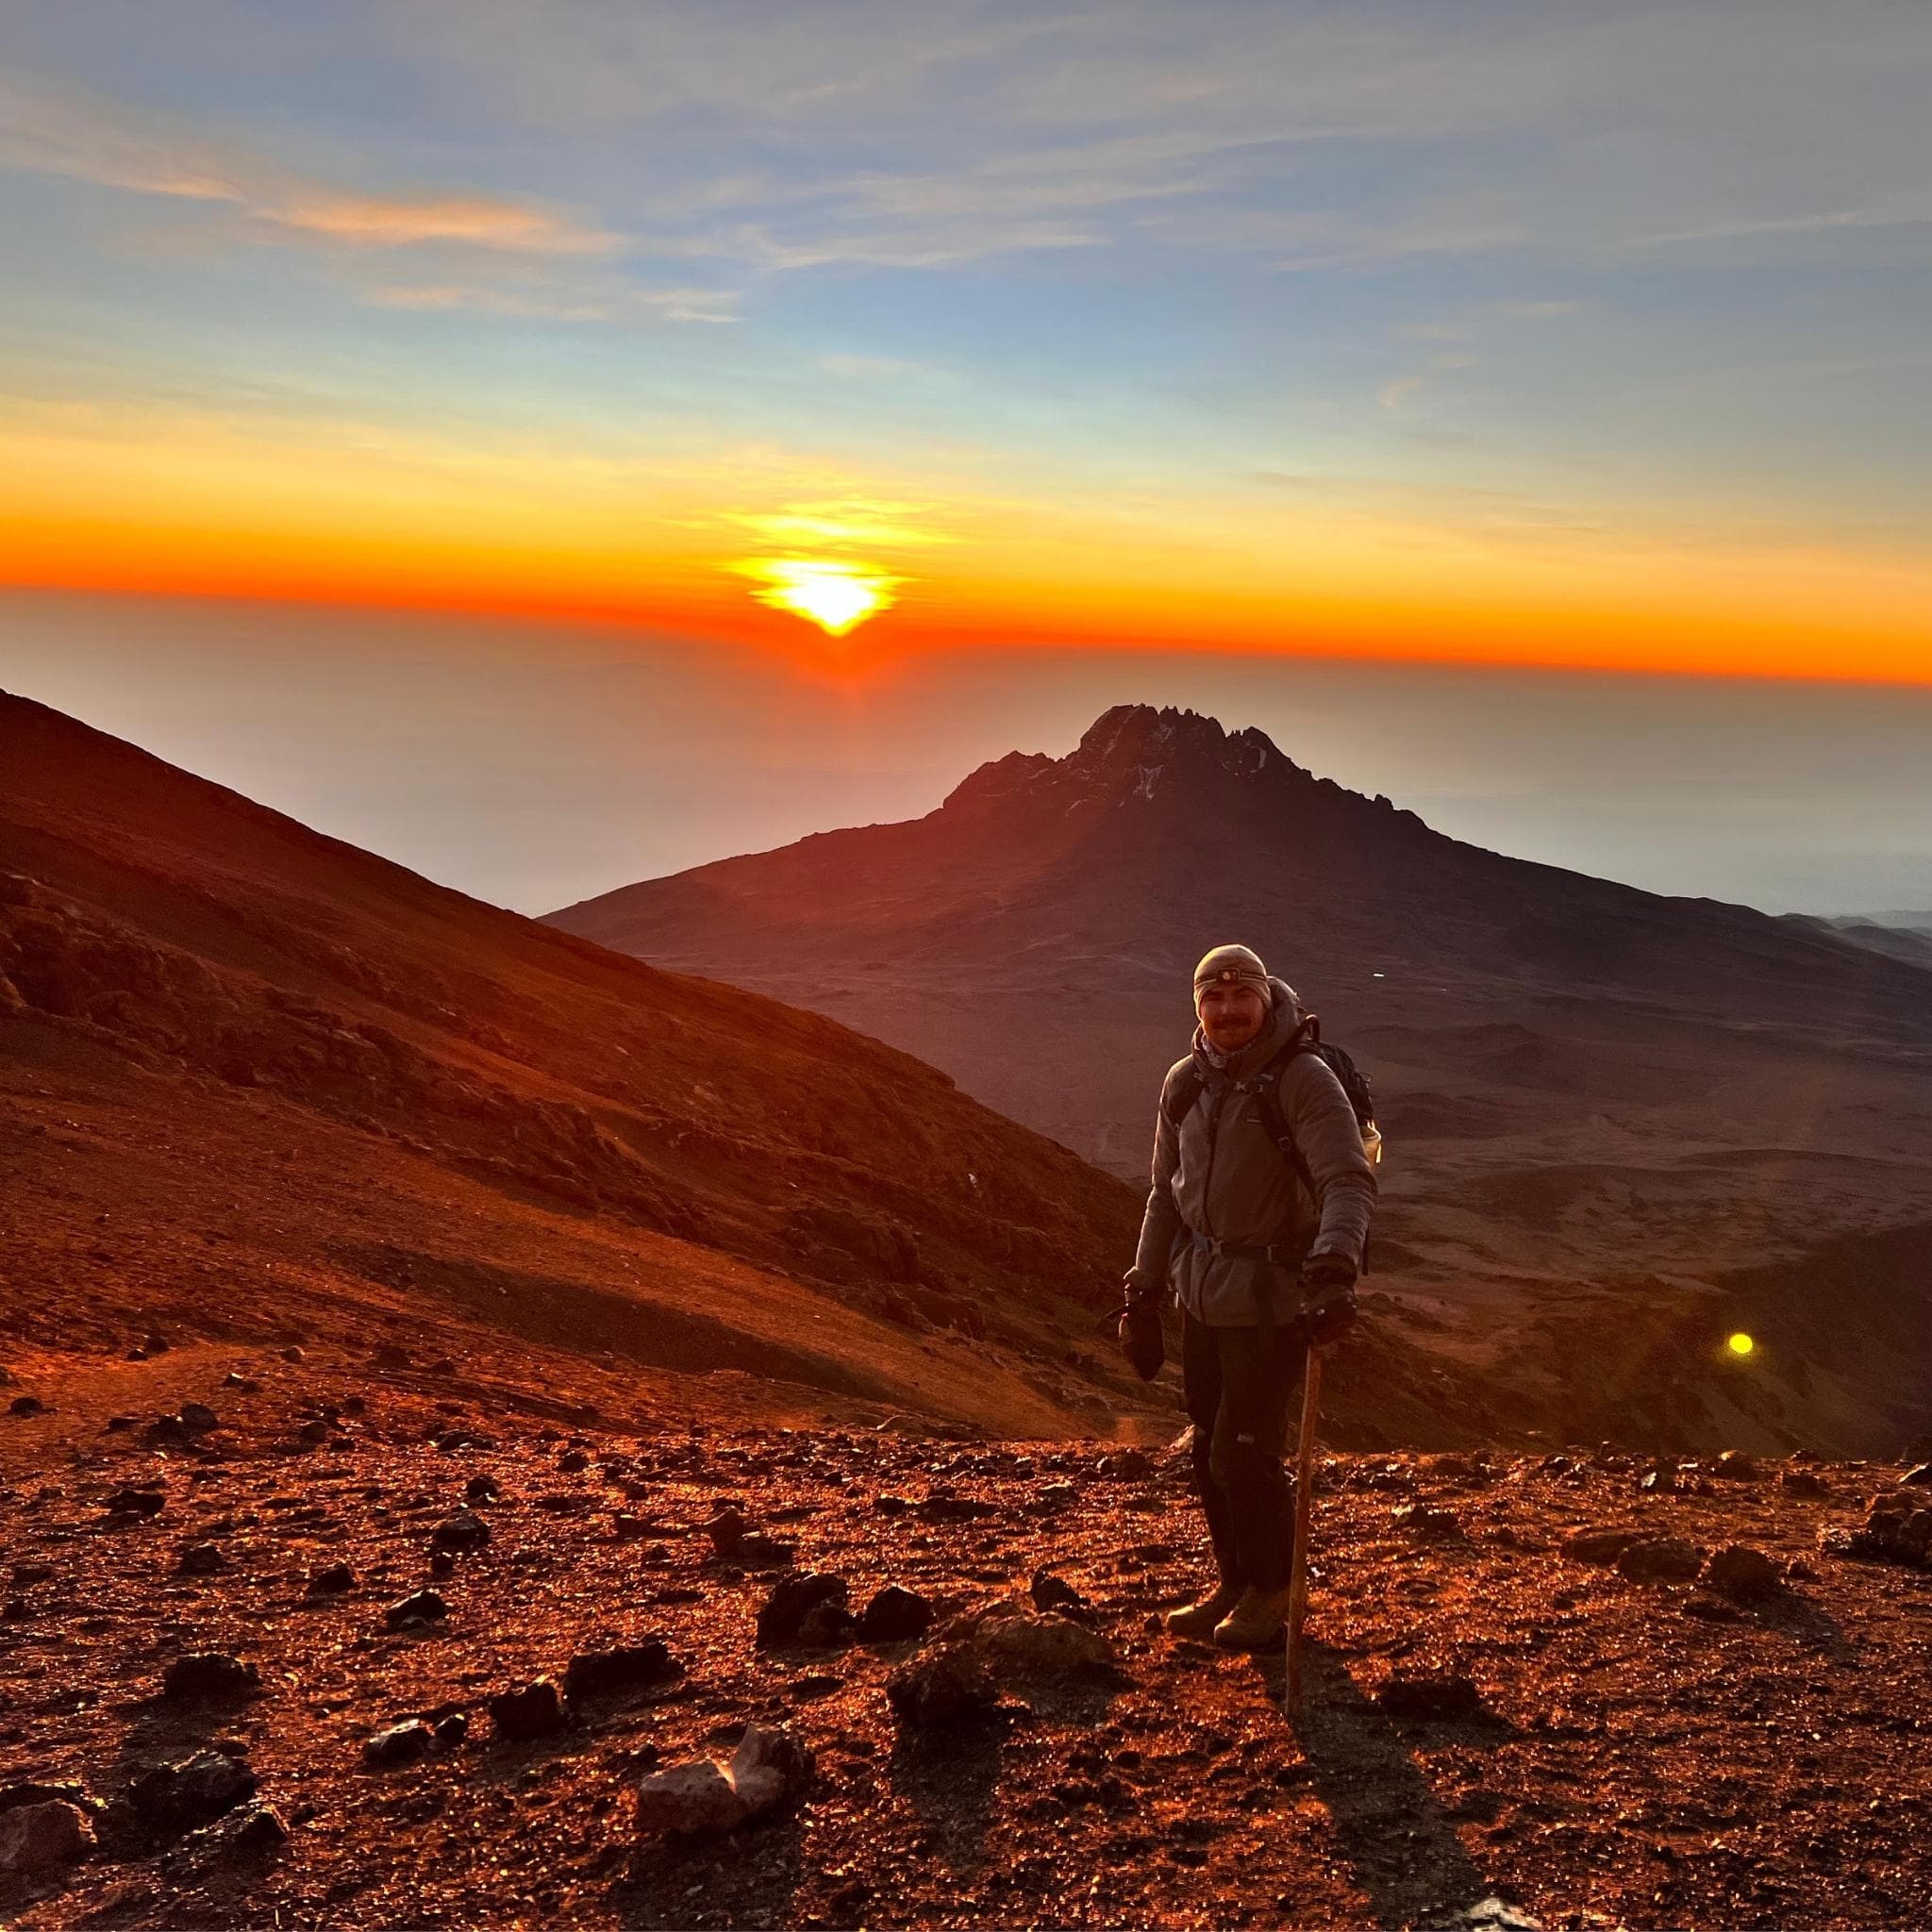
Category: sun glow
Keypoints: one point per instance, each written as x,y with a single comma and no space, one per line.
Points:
836,596
1741,1344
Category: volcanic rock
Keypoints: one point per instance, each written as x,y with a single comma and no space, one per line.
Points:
726,1532
247,1834
893,1615
1051,1592
207,1675
534,1710
764,1551
1492,1914
792,1601
689,1800
943,1505
1015,1644
201,1559
424,1607
1745,1575
400,1744
770,1769
25,1405
622,1667
482,1489
828,1626
332,1580
941,1689
33,1791
1421,1519
1661,1559
1897,1529
1437,1699
131,1503
174,1799
463,1531
1600,1546
36,1840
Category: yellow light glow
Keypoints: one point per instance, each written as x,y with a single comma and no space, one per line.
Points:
835,597
1741,1344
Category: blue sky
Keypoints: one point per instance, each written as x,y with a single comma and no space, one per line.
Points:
1565,335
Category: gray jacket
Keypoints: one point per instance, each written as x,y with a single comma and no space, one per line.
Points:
1219,1176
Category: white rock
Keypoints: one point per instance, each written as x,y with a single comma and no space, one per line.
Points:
1014,1642
1492,1914
769,1767
38,1839
694,1797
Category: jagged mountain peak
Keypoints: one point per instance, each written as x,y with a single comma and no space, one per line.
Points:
1129,751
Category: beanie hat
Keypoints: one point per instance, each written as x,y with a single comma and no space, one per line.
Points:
1233,966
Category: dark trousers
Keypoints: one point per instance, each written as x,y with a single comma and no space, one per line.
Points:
1239,1386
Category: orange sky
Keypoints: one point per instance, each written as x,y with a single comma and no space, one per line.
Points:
180,507
1212,328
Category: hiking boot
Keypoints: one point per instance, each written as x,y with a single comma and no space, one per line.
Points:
1198,1620
1256,1622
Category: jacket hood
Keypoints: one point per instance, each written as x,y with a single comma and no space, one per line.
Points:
1284,1016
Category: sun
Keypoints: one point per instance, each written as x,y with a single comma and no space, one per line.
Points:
1741,1343
835,595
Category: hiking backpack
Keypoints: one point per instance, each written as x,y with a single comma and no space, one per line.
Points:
1267,1086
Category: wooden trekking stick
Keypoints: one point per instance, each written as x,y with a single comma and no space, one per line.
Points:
1304,1509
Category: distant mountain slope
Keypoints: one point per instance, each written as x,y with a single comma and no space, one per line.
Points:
1582,1082
253,1080
1894,935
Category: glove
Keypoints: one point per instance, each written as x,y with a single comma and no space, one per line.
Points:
1328,1310
1140,1331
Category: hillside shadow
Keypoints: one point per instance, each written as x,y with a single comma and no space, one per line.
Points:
745,1878
1404,1851
950,1778
1809,1624
573,1315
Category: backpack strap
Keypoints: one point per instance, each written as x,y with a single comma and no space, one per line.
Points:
1307,1038
1180,1102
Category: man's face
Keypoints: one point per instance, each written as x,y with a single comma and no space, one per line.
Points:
1231,1015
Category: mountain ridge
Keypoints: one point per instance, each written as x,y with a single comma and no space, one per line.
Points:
1538,1037
174,956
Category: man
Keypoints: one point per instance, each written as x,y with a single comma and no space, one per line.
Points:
1260,1245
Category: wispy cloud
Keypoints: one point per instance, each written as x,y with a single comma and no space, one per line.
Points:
1537,311
617,305
56,130
923,245
865,367
1877,218
878,522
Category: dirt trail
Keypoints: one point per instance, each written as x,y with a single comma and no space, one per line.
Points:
1651,1753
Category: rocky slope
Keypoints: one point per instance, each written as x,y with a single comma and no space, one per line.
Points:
1605,1110
284,1642
254,1083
